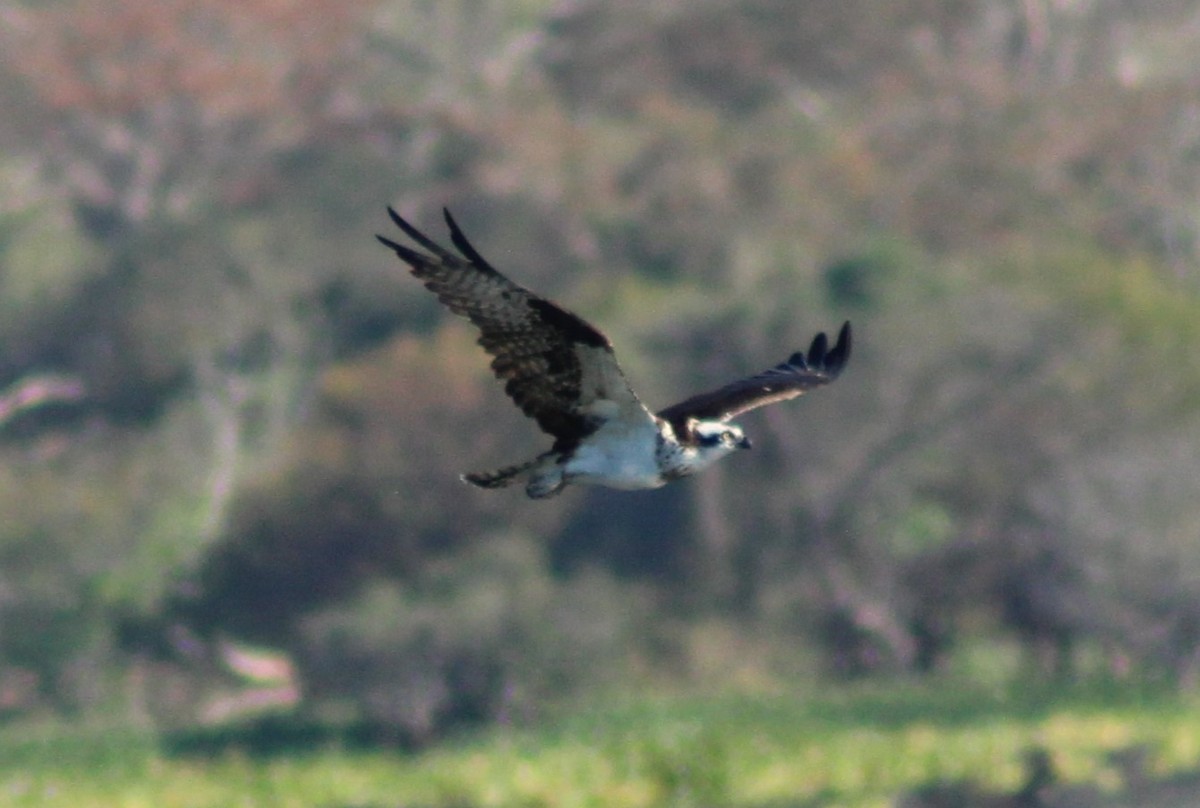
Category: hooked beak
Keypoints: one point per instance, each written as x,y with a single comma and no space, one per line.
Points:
744,443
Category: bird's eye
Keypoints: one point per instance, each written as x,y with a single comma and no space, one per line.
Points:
727,436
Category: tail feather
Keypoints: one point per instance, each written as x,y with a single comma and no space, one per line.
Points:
500,478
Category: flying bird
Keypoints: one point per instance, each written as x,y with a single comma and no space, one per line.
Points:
562,372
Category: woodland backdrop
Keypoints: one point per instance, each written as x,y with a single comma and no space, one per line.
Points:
233,424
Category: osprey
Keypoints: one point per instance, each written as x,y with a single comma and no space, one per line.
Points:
563,374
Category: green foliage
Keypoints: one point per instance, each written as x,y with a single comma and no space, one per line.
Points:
923,527
852,747
1144,320
44,261
277,415
487,635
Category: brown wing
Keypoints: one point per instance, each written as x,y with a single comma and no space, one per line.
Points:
799,374
557,368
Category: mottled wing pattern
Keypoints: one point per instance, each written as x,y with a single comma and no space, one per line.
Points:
557,368
799,374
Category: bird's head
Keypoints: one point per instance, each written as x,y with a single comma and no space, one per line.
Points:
719,438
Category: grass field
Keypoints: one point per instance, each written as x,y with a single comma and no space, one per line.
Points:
845,747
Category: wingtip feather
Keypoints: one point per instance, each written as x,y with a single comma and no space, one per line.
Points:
817,350
820,356
837,358
416,235
409,256
459,239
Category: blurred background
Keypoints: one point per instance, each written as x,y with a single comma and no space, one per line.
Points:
231,425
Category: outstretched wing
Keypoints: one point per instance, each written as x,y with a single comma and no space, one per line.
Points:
799,374
557,368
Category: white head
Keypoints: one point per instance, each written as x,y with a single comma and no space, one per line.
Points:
715,439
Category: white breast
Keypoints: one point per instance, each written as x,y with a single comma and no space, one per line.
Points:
618,455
